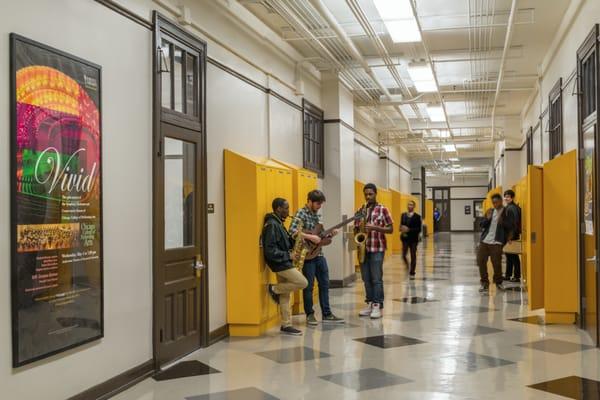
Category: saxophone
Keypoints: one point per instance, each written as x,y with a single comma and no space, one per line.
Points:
360,238
299,251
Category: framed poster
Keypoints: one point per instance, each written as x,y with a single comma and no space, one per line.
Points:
56,203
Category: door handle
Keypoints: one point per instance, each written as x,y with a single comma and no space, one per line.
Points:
199,266
591,259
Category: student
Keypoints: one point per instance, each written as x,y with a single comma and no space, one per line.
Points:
497,230
317,267
513,262
277,245
378,223
410,228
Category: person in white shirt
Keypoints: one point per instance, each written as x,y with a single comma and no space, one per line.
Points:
496,231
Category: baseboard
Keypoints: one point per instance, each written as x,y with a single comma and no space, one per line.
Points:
340,283
218,334
117,384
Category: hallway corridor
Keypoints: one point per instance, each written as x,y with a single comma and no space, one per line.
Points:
439,339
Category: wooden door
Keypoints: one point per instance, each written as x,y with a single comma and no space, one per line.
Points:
441,200
588,60
180,229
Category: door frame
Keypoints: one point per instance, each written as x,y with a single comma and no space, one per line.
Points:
591,43
476,227
163,24
433,189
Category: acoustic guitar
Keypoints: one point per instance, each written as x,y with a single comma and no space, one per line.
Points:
313,250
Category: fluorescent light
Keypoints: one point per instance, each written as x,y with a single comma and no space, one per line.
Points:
403,31
449,148
453,158
398,17
422,76
425,86
444,134
420,72
436,113
463,146
394,9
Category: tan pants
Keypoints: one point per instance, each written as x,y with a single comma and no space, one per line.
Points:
289,281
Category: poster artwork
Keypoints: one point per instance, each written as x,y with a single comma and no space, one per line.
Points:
56,201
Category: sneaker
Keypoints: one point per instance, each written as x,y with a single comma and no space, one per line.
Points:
516,280
376,311
484,288
365,312
311,320
332,319
506,278
290,330
412,277
500,286
273,295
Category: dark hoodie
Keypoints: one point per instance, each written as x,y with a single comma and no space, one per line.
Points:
276,243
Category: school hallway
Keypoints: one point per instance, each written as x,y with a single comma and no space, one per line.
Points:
439,338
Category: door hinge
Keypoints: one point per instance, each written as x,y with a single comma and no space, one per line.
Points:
582,227
583,303
159,152
581,153
161,336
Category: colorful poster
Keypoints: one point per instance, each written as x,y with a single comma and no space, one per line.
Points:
57,296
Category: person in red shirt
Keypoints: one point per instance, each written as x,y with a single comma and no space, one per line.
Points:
378,223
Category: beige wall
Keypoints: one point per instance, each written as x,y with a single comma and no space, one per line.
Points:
127,184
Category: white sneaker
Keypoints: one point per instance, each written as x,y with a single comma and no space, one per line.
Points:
365,312
376,311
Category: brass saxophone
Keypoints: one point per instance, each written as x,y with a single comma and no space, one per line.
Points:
360,238
299,251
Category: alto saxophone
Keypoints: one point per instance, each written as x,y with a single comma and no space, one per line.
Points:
360,238
299,251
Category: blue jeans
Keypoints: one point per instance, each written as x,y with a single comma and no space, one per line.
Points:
372,275
317,267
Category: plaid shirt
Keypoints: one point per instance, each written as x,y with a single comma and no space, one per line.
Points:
309,219
379,216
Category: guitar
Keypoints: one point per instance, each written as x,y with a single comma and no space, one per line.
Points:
313,250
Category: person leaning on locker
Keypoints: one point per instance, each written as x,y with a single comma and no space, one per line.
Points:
277,246
497,229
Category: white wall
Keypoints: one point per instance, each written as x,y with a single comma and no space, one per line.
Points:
127,166
559,62
459,221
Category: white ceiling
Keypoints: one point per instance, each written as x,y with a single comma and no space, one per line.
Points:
465,40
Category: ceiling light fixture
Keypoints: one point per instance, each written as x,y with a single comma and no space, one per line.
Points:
398,17
449,148
422,76
436,113
453,159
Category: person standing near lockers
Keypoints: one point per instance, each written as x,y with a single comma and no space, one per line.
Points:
513,262
496,231
277,246
410,229
378,222
317,267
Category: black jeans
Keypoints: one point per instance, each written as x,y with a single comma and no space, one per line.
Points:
412,246
317,267
513,262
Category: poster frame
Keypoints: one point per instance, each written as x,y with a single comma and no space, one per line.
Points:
13,39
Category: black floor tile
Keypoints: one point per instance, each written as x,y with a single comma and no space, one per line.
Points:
555,346
240,394
365,379
532,319
185,369
389,341
573,387
415,300
294,354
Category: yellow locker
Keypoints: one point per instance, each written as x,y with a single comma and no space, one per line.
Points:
533,237
251,184
396,211
303,181
487,203
561,283
428,220
384,196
